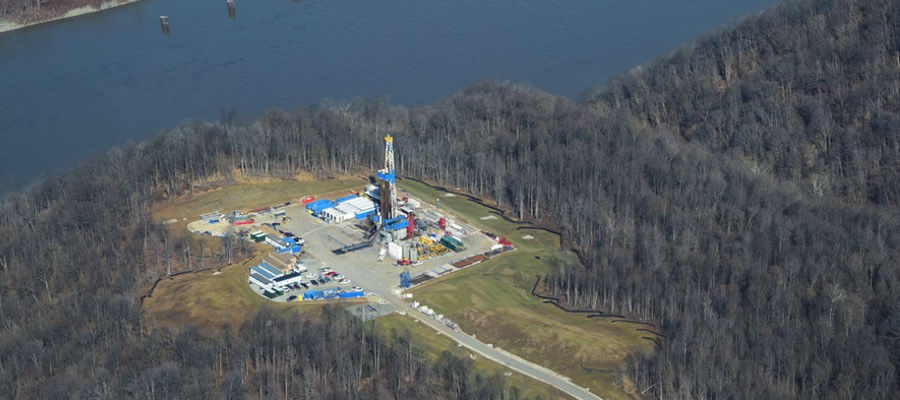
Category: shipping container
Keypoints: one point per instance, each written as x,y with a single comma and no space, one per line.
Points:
313,295
453,243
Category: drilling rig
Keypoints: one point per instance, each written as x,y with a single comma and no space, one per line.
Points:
388,182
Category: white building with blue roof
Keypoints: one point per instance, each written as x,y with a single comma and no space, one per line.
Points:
264,275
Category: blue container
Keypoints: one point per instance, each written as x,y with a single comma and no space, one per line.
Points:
322,206
313,295
314,204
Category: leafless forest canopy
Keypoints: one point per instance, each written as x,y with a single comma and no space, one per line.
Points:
40,10
743,193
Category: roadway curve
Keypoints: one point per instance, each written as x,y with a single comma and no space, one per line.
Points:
503,357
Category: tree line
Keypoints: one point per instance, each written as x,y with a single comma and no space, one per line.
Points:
741,193
41,10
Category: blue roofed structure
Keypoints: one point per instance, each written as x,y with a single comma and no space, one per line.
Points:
260,280
261,272
346,198
318,206
267,270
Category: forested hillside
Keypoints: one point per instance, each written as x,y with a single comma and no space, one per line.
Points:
805,92
741,193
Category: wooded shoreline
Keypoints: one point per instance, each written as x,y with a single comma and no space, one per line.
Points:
7,25
740,193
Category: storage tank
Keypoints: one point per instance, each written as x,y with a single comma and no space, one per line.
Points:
413,254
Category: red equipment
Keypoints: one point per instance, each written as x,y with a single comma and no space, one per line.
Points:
411,229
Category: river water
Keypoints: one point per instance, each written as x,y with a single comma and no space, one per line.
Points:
76,87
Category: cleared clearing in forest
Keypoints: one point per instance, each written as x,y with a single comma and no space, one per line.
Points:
493,301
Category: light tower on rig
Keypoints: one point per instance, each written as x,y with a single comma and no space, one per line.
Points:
388,182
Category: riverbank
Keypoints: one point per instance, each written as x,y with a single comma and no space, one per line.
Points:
8,25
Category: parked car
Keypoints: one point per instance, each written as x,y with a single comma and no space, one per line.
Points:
314,282
344,281
324,270
337,276
356,289
322,281
292,298
311,275
331,273
305,286
417,263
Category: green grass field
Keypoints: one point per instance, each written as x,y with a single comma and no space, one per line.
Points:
493,301
431,345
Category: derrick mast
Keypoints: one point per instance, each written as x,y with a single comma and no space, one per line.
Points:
388,182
